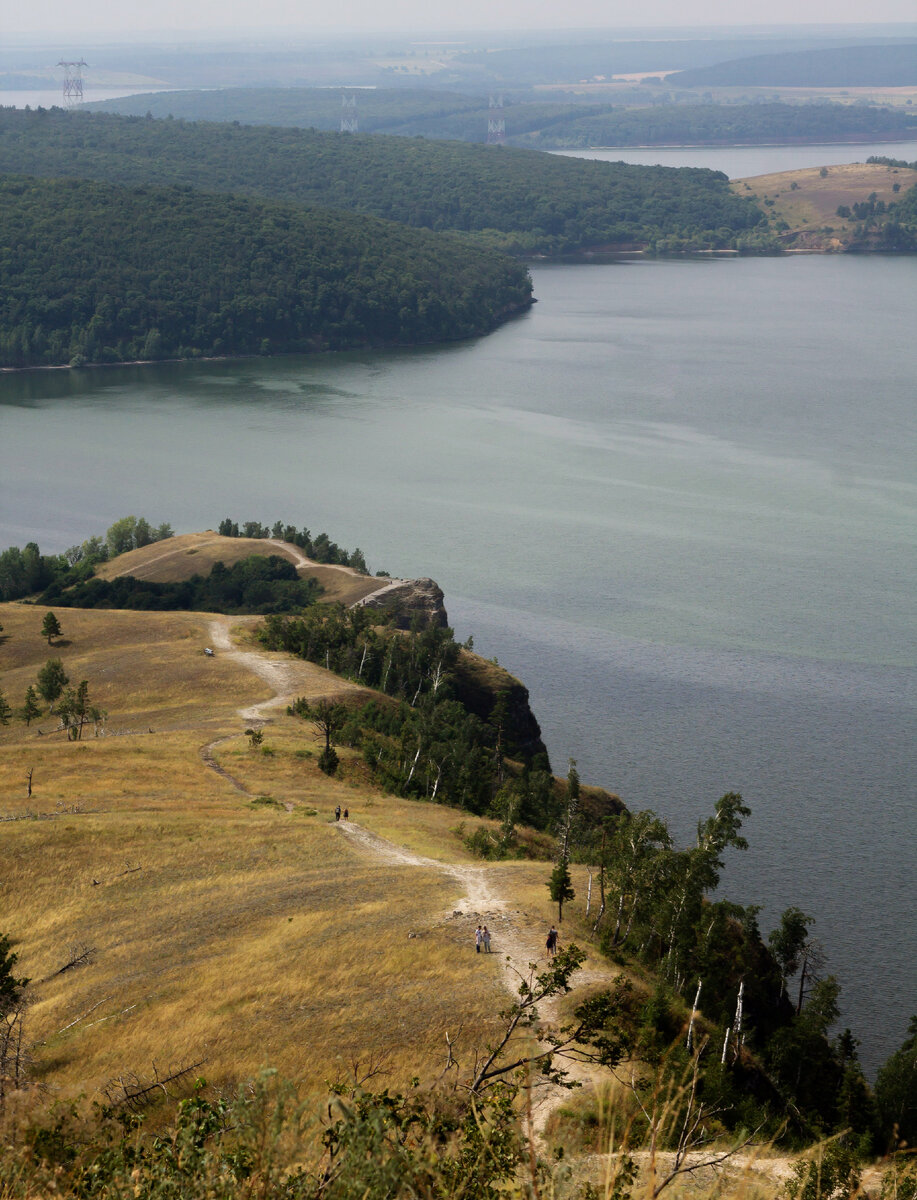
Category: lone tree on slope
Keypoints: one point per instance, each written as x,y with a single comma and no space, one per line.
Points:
50,627
328,717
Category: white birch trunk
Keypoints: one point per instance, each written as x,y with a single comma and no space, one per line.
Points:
700,984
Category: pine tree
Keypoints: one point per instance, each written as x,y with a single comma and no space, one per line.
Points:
31,709
50,627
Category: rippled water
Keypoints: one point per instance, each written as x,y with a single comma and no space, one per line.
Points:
677,499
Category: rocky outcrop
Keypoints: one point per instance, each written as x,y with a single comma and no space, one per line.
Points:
413,601
480,684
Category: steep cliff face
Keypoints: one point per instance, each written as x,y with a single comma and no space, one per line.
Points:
411,600
479,684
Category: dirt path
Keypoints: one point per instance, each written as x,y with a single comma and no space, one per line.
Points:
300,560
288,677
517,940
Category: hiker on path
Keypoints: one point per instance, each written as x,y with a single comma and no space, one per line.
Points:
485,935
337,813
551,944
478,938
346,814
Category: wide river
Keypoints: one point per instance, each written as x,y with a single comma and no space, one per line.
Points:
677,498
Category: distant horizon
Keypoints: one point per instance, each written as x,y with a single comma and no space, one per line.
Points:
528,26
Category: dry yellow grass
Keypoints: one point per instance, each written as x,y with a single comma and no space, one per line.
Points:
188,554
251,934
811,206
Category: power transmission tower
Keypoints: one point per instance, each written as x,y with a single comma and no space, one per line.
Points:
73,82
496,124
348,113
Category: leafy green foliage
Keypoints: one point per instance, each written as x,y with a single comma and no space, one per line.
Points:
52,679
95,272
518,200
23,572
426,744
11,987
319,548
831,1174
896,1092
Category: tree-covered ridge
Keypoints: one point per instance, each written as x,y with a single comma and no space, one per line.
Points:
724,124
537,123
105,273
520,200
882,65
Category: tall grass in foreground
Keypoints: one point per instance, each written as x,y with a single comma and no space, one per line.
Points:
426,1144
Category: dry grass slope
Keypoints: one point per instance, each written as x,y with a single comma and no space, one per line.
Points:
234,926
811,205
188,554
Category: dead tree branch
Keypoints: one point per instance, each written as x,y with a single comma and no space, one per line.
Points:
133,1092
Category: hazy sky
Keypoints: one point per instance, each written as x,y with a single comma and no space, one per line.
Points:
95,18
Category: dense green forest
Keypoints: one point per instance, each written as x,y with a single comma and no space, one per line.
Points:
451,115
96,272
519,200
884,65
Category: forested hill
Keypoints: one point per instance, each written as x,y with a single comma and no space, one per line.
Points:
840,66
536,123
725,124
520,200
102,273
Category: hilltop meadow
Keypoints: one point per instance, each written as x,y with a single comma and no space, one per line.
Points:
222,858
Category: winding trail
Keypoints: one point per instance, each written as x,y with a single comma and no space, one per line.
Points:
299,559
518,939
288,677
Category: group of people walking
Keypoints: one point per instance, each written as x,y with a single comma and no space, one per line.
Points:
482,940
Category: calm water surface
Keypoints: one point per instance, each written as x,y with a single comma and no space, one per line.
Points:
677,499
742,162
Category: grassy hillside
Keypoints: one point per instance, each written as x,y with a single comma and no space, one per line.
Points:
519,200
803,205
189,554
251,932
102,273
183,898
